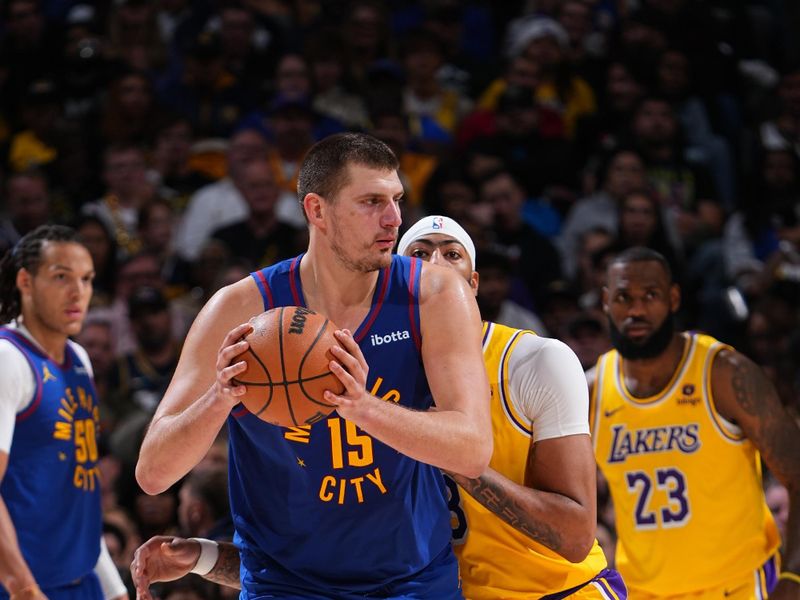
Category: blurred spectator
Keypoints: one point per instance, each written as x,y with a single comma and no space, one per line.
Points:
641,224
171,165
782,132
535,260
261,238
95,234
129,111
249,46
546,42
451,192
134,35
777,498
27,206
141,376
34,146
203,509
495,271
327,59
366,33
96,339
127,190
390,125
588,338
770,214
705,146
220,203
28,49
559,308
204,91
424,96
685,190
590,243
139,270
605,129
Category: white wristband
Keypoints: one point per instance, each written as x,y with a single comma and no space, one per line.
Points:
209,553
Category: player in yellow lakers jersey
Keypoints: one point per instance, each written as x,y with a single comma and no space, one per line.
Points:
678,421
525,528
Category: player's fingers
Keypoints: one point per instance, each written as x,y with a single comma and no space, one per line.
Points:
228,373
349,362
348,381
236,334
228,353
345,338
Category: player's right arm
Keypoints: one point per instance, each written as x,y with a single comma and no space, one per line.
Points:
15,392
200,395
557,504
14,572
165,558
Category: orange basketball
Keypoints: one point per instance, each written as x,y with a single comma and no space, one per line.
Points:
288,366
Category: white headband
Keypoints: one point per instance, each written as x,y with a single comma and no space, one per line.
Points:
437,224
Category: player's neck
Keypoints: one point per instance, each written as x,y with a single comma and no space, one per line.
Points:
648,376
341,294
53,343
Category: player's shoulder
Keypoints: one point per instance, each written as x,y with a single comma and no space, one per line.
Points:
436,279
544,351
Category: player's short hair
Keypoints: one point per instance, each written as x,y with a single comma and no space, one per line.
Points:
325,167
638,254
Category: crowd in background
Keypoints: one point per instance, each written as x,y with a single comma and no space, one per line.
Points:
557,132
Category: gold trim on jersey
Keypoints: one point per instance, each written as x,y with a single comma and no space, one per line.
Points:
514,417
666,392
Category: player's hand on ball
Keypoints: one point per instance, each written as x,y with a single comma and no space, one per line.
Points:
162,558
229,365
351,368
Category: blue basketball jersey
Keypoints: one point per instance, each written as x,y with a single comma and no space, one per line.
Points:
327,505
52,484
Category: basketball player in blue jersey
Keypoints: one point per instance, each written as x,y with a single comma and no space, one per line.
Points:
354,505
522,529
50,517
680,423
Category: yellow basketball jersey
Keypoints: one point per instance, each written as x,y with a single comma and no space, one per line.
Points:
686,483
496,560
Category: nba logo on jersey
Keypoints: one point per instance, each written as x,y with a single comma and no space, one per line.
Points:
438,223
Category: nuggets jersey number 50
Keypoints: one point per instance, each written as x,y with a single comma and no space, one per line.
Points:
685,482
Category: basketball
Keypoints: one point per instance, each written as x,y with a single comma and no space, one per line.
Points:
288,367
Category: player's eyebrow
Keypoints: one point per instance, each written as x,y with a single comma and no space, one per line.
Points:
439,244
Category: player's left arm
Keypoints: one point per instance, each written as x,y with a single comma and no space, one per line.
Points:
744,395
557,505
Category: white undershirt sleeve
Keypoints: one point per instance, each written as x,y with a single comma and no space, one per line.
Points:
548,387
108,574
16,390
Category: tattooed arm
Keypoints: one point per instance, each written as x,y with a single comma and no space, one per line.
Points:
743,394
556,511
167,558
226,570
556,504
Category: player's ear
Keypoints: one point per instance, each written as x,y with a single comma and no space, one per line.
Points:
473,282
605,299
24,281
313,207
675,297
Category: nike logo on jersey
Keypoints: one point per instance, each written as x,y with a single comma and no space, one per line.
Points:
394,336
47,375
612,412
683,438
